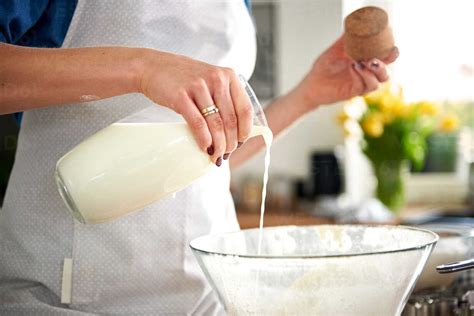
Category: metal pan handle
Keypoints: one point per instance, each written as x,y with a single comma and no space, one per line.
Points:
456,266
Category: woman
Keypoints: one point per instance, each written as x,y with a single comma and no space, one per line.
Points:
117,58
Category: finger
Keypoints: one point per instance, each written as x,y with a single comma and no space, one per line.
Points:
379,69
197,124
226,110
202,98
338,45
358,87
392,56
243,108
370,81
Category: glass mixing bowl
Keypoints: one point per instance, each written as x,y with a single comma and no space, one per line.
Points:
315,270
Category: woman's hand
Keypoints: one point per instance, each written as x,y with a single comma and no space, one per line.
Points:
336,77
188,86
333,77
37,77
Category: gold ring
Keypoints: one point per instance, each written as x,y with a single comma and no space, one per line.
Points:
209,110
216,110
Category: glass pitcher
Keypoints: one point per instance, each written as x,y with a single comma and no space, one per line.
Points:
135,162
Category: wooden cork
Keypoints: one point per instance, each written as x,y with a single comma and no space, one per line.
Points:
367,34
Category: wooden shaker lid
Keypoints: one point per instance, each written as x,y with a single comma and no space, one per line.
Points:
367,34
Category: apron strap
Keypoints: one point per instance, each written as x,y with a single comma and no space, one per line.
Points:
66,287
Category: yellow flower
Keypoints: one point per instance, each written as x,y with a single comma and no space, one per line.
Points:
376,96
428,108
389,101
373,97
351,129
401,109
373,125
387,117
449,123
346,131
385,104
342,117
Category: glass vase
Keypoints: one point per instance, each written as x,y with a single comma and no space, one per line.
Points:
391,177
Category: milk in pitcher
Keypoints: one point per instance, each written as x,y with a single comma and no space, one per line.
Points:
128,166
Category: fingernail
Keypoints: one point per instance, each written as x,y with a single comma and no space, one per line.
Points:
374,64
226,156
360,65
219,161
239,144
210,150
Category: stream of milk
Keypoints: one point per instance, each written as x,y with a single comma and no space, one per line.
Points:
268,138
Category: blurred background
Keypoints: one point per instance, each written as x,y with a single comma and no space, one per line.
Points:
402,155
320,169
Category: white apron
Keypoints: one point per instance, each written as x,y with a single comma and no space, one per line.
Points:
141,263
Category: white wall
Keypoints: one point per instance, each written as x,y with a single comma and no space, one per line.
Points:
305,28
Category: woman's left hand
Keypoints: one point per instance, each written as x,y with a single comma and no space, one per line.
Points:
333,77
336,77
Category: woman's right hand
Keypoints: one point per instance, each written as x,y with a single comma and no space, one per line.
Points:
188,86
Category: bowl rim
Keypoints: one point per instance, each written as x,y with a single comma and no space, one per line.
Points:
303,257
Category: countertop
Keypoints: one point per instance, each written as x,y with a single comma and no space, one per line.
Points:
295,216
275,218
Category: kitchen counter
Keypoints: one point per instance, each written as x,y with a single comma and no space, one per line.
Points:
273,217
277,218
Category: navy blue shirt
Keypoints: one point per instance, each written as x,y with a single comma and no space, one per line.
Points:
35,23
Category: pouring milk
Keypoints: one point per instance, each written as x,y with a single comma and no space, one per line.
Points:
135,162
127,166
